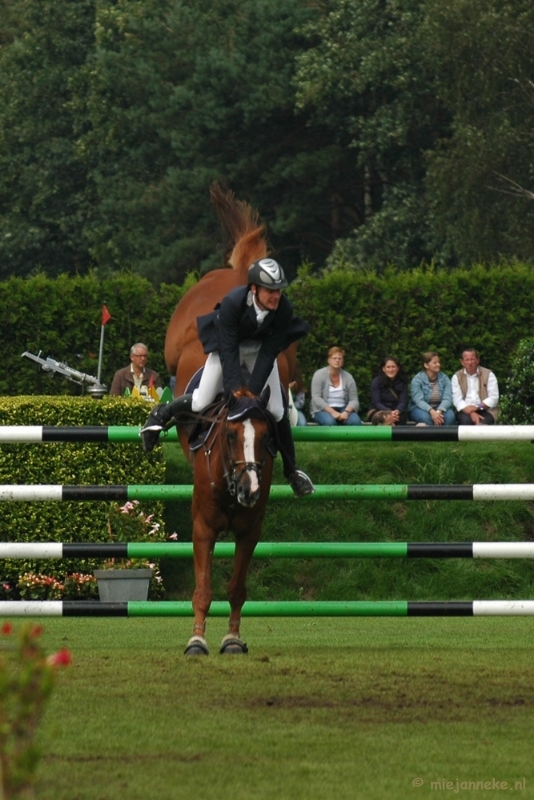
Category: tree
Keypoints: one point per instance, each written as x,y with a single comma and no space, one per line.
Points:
366,78
44,198
435,101
484,51
185,92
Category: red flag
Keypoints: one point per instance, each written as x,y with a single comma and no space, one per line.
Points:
106,316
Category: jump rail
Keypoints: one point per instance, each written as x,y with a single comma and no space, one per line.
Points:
366,433
122,493
38,550
297,608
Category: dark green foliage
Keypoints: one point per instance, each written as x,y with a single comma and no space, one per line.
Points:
517,406
59,464
380,133
186,92
435,102
45,197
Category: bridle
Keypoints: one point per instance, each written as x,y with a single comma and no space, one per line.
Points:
218,436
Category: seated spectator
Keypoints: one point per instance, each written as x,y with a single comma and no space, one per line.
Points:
389,392
475,391
298,393
431,394
136,374
334,397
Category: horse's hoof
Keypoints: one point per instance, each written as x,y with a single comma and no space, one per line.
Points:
231,646
196,646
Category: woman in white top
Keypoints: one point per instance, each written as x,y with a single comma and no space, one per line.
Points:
334,397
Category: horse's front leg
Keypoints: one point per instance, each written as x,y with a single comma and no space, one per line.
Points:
203,544
237,592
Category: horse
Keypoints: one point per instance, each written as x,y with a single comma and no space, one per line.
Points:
232,469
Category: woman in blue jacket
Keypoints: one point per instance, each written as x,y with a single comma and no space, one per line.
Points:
431,401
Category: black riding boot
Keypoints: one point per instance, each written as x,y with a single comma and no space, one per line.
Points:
298,480
160,417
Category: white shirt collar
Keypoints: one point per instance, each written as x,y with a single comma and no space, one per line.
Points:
260,313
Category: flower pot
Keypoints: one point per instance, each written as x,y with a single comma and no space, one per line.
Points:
119,585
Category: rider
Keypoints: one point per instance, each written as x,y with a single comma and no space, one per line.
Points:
251,326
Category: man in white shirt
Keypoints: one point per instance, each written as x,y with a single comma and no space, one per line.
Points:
475,391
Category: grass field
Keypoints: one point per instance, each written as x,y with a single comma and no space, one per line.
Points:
319,710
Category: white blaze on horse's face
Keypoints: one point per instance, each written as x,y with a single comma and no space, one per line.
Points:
250,454
246,453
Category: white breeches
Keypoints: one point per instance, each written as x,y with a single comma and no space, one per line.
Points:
211,382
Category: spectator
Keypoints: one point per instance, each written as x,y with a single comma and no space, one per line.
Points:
389,393
136,374
431,394
334,396
298,393
475,391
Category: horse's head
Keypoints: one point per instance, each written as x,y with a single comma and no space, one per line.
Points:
249,439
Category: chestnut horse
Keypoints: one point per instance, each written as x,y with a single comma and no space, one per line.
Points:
233,470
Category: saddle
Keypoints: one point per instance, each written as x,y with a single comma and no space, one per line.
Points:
198,428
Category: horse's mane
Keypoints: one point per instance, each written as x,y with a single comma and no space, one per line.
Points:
240,223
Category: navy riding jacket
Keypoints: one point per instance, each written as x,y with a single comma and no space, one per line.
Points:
234,321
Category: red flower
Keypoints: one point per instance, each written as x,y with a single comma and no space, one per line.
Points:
7,628
60,659
36,631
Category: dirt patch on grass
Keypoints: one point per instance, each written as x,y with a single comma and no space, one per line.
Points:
397,697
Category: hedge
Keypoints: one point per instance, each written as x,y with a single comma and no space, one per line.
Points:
369,315
66,463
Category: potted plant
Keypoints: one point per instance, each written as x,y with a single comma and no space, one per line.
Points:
123,579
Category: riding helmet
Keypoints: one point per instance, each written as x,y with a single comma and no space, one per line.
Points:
268,273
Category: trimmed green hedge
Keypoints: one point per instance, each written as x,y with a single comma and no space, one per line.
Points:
77,463
403,313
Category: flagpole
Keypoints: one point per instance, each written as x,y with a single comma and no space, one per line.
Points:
99,390
100,353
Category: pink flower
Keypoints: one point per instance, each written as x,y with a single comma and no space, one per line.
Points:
60,659
173,536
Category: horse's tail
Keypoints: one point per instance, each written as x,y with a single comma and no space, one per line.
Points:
240,222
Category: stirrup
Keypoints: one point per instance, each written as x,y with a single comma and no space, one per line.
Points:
152,428
301,483
150,436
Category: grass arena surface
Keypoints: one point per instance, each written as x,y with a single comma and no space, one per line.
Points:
320,709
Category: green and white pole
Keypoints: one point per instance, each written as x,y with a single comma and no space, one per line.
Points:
297,608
